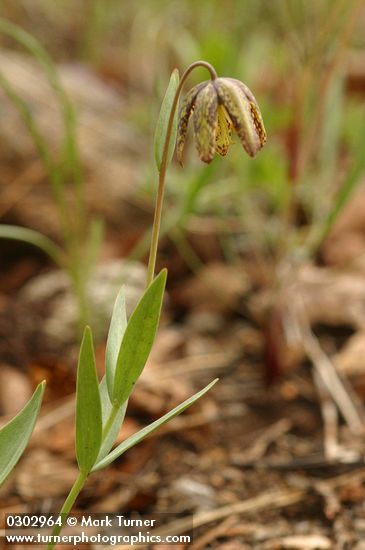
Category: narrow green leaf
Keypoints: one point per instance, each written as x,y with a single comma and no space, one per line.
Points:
347,189
15,435
88,406
137,437
117,328
68,112
138,339
34,238
163,121
93,244
106,407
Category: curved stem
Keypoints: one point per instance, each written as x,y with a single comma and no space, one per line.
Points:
163,168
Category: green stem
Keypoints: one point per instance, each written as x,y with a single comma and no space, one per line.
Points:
69,502
163,169
80,482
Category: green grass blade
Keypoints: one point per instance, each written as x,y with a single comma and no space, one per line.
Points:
117,329
348,187
68,113
15,435
53,171
88,406
93,244
72,161
138,339
137,437
34,238
31,125
163,121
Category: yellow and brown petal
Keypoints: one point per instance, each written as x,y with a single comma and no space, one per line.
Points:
220,106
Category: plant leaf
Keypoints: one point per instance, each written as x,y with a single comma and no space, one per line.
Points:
93,244
68,112
117,328
163,121
137,437
34,238
15,435
88,406
138,339
106,407
353,178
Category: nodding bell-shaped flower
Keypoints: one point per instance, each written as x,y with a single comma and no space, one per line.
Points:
220,106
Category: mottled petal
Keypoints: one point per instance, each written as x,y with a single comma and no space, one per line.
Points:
255,109
205,122
186,109
245,89
223,135
244,113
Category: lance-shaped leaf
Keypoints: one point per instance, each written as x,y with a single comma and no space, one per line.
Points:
138,339
88,406
163,121
110,436
117,328
15,435
137,437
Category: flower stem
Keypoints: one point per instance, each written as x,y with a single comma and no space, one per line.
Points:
163,169
69,502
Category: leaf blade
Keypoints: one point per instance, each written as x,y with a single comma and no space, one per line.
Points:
106,407
88,406
138,339
118,325
163,120
141,434
15,435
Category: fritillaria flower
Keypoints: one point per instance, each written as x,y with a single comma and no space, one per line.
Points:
219,107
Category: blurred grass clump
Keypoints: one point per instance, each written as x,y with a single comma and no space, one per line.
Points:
80,235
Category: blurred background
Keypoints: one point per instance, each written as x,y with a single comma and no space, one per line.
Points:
266,257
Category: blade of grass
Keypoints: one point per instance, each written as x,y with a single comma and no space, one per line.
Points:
40,145
70,148
344,194
35,238
68,112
